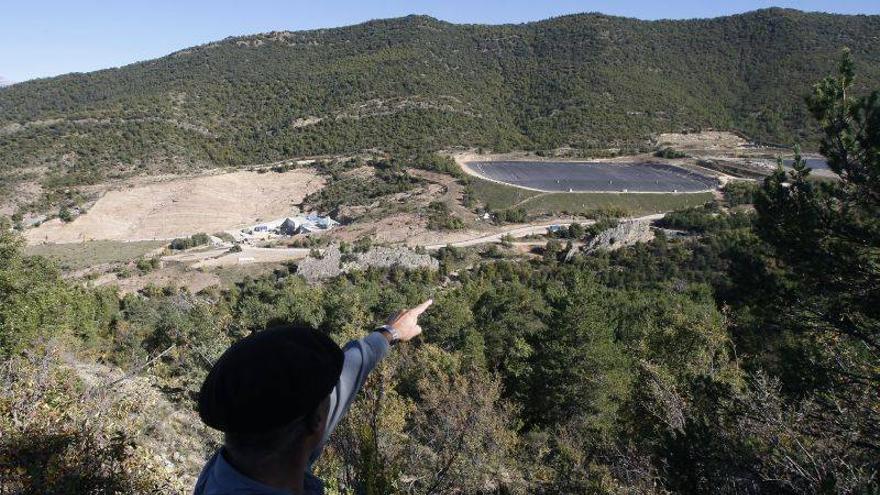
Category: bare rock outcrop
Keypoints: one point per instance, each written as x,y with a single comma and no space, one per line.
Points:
624,234
333,262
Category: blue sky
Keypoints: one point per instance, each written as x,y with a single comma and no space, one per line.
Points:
40,38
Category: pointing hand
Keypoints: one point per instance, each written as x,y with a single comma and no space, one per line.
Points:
406,322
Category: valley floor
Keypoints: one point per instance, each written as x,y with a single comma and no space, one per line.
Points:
134,220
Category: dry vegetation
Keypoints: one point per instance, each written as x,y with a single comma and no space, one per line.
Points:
83,255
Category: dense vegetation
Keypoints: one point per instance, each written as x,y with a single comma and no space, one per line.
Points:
416,83
741,360
347,187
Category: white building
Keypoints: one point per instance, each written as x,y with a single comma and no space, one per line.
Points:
306,224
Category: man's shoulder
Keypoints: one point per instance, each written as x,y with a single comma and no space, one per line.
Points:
218,477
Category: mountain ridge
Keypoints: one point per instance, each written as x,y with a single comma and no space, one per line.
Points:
587,81
752,13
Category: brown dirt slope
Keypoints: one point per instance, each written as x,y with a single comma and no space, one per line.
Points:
177,208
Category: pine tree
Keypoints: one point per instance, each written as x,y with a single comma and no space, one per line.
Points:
825,238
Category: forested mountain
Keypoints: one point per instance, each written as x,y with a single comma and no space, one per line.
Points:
585,80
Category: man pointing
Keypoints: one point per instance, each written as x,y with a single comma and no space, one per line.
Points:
277,395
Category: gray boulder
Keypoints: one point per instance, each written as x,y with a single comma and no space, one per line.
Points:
333,262
626,233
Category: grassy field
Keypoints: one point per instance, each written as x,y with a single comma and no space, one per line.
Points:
74,256
632,204
231,275
499,197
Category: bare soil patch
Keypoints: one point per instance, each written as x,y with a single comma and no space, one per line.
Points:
706,140
391,229
733,155
250,255
177,208
453,192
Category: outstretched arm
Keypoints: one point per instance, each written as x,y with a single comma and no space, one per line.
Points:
361,356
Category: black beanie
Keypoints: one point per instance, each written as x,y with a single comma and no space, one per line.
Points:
268,379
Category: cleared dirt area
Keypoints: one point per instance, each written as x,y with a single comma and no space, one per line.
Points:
706,140
177,208
732,154
453,192
250,255
815,163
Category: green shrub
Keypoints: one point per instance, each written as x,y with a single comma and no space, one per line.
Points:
146,265
510,215
363,244
65,214
740,192
54,442
669,153
224,236
440,218
192,241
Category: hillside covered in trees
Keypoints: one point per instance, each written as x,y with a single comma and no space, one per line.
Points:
742,357
586,81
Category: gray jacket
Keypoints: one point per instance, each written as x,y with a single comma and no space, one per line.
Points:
218,477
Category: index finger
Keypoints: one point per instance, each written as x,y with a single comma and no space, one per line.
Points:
422,307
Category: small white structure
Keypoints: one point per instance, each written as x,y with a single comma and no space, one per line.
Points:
321,222
306,224
302,224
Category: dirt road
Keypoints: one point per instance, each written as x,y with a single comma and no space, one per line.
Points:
217,257
521,231
221,257
524,231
